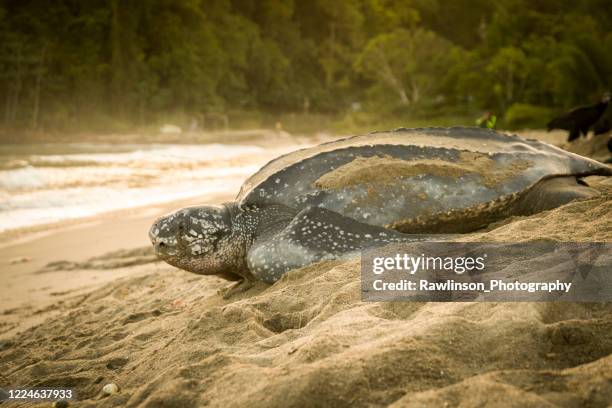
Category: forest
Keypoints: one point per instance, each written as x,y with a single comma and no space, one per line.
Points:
118,65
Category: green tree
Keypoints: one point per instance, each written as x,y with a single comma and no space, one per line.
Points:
407,62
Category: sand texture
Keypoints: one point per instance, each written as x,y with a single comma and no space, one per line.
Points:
386,170
167,339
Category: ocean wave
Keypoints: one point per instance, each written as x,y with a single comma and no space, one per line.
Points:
131,168
32,178
25,177
47,206
156,154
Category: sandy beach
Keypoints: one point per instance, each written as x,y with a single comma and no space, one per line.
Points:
304,204
87,304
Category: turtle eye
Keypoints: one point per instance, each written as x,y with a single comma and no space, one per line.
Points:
180,236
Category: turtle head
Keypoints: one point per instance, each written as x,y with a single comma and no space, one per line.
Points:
196,239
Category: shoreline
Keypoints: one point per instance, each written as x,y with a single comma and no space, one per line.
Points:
260,137
276,141
25,234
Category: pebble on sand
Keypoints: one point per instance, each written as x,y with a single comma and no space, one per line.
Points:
110,389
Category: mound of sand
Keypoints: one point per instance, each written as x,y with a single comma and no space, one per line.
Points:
167,339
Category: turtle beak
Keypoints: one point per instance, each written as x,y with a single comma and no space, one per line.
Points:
153,234
162,246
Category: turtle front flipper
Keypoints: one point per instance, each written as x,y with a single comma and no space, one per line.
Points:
241,286
313,235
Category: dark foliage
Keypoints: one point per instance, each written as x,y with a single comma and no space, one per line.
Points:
65,62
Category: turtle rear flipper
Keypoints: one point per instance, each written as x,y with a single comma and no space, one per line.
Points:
313,235
551,193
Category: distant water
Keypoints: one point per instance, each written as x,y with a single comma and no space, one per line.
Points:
52,182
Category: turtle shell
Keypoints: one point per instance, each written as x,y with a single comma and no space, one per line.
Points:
396,177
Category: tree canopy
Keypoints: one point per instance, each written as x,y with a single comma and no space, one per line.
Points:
65,61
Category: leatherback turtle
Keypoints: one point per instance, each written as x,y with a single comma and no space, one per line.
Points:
330,200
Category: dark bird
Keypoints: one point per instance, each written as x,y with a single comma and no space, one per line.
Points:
579,120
